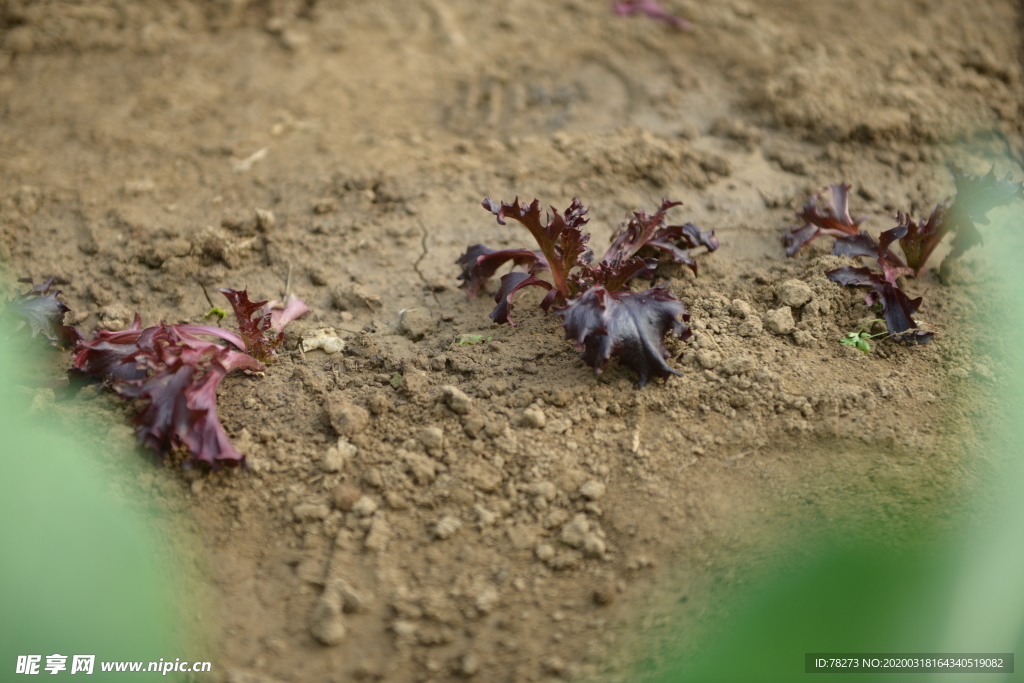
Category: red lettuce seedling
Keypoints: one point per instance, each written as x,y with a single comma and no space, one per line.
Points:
257,321
975,197
834,219
653,10
38,311
175,374
598,313
897,308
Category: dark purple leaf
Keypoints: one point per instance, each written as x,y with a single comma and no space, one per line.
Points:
259,327
653,10
920,240
179,393
39,311
645,230
832,219
897,308
628,325
510,284
861,244
479,264
563,245
175,374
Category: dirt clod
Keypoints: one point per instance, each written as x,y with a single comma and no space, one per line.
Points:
780,321
326,623
794,293
347,418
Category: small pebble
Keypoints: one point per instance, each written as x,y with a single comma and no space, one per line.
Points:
446,527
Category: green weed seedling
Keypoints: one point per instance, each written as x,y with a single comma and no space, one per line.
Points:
859,339
472,340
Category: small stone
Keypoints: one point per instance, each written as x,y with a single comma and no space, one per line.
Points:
804,338
708,359
554,666
605,593
472,425
378,403
780,321
379,535
351,601
534,417
484,476
326,623
544,552
751,327
415,323
446,527
308,512
414,383
347,418
484,516
486,599
422,468
337,456
457,399
469,664
738,366
575,532
116,317
543,489
345,495
365,506
741,309
794,293
353,297
372,477
431,437
318,276
593,546
264,219
592,490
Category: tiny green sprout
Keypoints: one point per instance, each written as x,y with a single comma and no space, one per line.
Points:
215,311
876,308
396,379
473,339
859,339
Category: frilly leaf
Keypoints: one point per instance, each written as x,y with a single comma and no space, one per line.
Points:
628,325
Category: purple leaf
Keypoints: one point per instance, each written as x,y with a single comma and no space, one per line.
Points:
897,308
563,245
510,284
41,312
479,264
644,230
630,326
832,219
260,326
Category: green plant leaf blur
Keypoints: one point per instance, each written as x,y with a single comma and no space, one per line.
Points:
959,595
77,567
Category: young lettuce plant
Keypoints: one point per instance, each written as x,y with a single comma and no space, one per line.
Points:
39,312
976,196
175,373
599,314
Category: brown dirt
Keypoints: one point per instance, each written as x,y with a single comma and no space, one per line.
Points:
141,139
